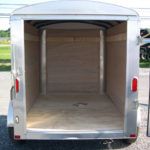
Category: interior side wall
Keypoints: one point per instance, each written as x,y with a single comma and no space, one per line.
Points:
73,61
116,64
32,64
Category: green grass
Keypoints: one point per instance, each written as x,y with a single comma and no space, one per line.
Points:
5,42
144,64
4,52
5,58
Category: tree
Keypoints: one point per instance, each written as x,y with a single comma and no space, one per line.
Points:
5,33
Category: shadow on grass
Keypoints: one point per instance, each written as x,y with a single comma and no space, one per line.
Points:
144,64
5,60
4,67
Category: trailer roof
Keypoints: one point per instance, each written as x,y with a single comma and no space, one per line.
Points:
75,7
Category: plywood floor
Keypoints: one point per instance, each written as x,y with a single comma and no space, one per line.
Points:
80,112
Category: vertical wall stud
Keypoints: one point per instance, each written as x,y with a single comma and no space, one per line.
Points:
102,56
43,62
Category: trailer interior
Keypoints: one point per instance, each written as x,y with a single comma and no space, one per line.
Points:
75,74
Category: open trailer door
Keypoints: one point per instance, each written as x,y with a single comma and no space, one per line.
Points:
148,121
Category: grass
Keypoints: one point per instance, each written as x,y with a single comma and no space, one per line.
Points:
5,58
144,64
4,52
5,42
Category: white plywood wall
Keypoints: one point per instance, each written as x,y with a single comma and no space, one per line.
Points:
32,64
73,61
116,64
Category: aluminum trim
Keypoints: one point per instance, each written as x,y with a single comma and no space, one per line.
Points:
132,69
73,17
19,103
57,131
38,134
10,119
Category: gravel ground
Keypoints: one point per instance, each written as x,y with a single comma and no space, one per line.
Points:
142,143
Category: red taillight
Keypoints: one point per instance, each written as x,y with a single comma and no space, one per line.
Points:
17,137
133,135
134,85
17,85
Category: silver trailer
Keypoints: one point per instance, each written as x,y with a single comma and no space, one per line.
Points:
74,71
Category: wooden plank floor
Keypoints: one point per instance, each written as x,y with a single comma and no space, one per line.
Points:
80,112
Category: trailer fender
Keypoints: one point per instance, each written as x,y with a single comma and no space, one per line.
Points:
10,120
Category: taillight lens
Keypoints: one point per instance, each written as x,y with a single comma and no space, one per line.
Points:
17,85
134,85
17,137
133,135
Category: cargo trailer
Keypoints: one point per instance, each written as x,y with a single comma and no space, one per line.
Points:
74,71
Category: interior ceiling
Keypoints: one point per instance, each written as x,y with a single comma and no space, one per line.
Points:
44,23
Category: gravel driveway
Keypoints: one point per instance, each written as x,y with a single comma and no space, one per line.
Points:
143,142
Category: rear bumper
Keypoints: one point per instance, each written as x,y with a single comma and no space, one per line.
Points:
32,134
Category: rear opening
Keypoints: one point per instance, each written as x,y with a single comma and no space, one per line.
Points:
75,75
